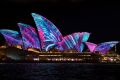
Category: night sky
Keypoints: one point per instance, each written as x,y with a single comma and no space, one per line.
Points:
101,18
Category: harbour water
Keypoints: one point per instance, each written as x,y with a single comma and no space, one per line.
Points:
59,71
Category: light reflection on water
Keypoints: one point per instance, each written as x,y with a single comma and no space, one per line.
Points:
59,71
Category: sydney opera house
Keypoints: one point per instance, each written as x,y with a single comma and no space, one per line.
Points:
46,39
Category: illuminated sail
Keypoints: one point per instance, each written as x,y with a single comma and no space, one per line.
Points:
91,46
47,31
12,37
29,36
86,36
67,43
106,46
72,41
79,46
50,37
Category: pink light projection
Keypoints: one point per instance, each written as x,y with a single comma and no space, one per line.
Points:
91,46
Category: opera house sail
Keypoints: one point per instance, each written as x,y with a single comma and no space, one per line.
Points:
81,38
42,42
102,47
73,41
29,36
46,36
48,33
13,38
91,46
106,46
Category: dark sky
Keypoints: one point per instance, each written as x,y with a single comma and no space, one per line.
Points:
101,18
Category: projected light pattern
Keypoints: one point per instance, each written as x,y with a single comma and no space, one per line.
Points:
104,47
51,38
12,38
86,36
78,37
29,36
72,41
47,31
50,46
81,47
91,46
67,43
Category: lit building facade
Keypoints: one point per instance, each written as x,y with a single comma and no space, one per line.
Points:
47,36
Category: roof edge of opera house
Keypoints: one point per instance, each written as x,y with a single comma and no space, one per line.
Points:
48,36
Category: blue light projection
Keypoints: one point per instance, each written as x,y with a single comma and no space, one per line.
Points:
81,47
66,44
12,38
69,41
47,31
29,36
78,39
49,37
72,41
106,46
86,36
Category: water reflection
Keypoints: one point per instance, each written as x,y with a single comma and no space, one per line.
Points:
59,71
